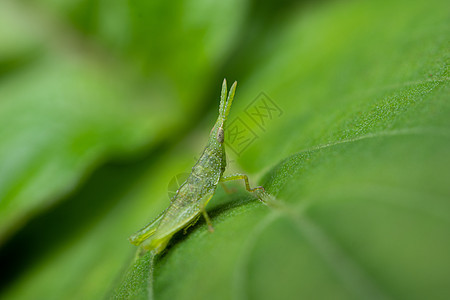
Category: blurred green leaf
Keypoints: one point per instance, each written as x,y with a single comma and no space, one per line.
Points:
54,129
68,104
358,163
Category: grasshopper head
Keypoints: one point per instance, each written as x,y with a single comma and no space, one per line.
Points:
225,103
217,132
224,108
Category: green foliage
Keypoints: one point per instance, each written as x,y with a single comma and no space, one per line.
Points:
100,103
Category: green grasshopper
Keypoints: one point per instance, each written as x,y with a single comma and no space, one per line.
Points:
194,194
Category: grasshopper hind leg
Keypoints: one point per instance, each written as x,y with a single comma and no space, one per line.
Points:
146,232
157,245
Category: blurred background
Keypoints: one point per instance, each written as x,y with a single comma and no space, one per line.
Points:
341,112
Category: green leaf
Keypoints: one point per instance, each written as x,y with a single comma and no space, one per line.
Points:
357,164
64,111
138,285
55,130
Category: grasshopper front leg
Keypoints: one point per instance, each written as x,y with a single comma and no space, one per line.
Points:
203,202
247,184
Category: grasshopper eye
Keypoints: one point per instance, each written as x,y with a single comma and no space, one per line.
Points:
220,136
